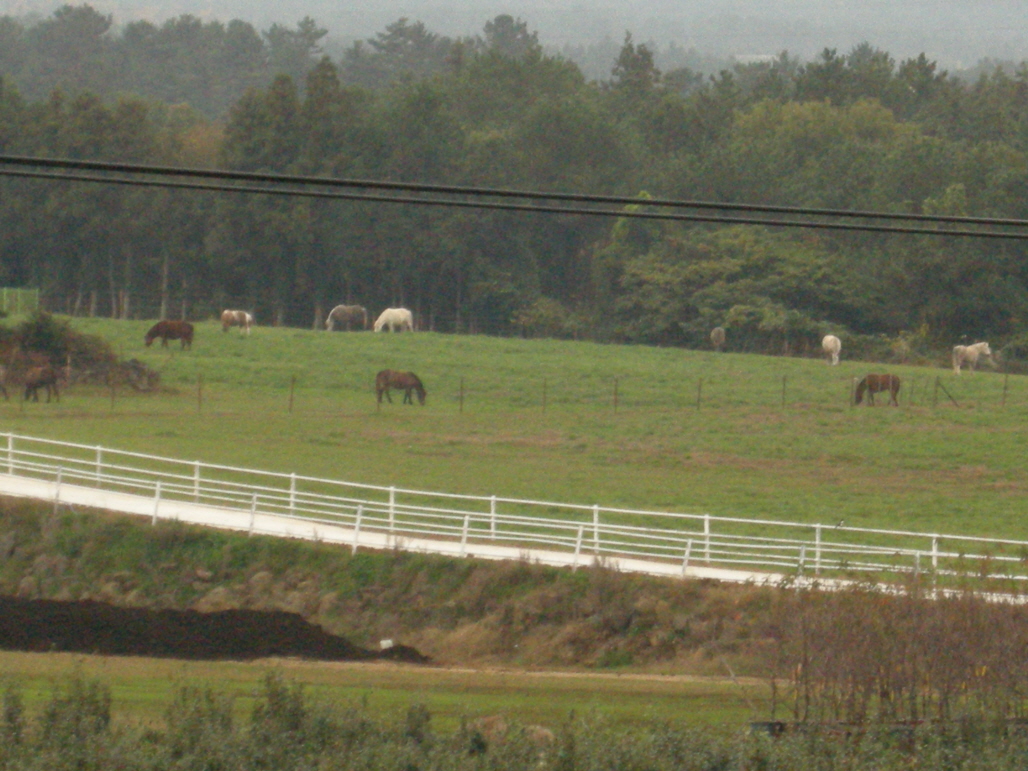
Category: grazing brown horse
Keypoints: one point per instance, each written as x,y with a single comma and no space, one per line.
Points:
872,384
171,330
42,377
408,381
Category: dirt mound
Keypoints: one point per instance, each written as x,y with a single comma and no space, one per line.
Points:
95,627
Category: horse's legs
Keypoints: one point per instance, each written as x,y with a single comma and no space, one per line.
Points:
407,399
390,398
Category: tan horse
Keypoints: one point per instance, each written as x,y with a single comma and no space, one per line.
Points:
236,319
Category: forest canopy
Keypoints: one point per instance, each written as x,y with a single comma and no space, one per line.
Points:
853,130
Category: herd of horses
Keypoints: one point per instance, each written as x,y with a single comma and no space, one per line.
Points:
831,345
34,372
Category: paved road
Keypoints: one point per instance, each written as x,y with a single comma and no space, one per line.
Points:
287,527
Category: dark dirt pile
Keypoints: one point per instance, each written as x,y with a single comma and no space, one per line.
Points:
95,627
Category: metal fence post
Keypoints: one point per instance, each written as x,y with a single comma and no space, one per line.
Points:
464,535
357,528
706,538
578,547
817,549
57,489
596,528
253,512
196,481
99,464
10,453
688,553
492,517
803,560
392,509
292,494
156,501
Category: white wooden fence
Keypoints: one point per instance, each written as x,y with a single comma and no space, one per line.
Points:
582,532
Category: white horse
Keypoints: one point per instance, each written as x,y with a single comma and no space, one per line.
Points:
831,345
236,319
968,354
346,316
396,319
717,338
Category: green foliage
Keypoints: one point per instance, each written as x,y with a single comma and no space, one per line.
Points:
587,743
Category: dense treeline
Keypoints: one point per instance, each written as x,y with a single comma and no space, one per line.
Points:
855,131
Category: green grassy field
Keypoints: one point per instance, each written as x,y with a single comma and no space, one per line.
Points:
729,435
142,688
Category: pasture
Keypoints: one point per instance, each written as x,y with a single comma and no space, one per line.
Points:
700,432
142,689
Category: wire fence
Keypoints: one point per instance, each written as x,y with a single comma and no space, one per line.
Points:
576,533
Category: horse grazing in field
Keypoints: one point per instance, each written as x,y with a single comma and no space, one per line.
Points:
236,319
831,345
396,319
170,330
43,377
969,354
717,338
347,316
408,381
872,384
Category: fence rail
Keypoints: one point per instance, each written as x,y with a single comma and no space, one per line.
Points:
579,531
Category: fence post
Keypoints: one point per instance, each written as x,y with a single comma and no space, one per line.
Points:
706,538
917,563
935,566
596,529
253,513
99,464
292,494
57,489
464,535
688,553
196,481
817,549
578,547
392,509
156,501
803,560
357,528
492,517
10,454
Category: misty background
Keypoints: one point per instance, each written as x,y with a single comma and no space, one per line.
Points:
701,34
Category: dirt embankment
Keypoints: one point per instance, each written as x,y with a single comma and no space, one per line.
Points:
99,628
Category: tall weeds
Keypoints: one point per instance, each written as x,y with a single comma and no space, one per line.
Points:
865,655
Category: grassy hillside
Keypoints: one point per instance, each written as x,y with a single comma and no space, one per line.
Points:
729,434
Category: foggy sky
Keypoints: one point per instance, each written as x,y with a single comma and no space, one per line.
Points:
956,33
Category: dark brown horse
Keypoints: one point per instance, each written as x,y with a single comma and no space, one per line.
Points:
43,377
872,384
171,330
408,381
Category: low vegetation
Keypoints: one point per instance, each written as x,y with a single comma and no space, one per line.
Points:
287,729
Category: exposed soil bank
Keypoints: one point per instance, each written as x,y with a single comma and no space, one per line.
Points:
95,627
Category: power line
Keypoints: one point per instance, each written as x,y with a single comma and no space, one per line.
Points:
291,181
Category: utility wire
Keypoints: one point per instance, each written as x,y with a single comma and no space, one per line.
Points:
282,179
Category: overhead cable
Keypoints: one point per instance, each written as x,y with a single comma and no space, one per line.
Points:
313,187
